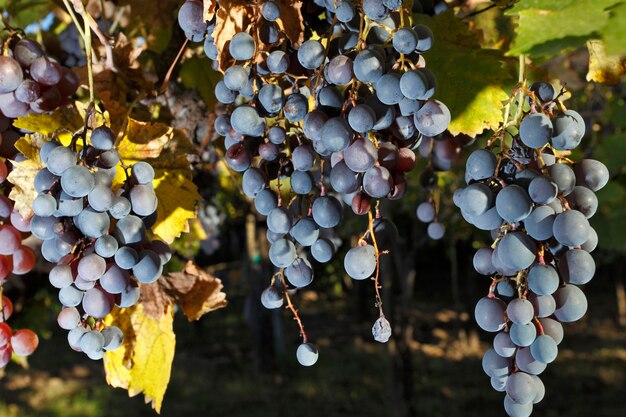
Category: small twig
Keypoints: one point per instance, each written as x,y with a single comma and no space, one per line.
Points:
91,23
291,307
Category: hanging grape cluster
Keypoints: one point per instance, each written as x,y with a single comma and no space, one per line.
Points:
95,234
536,202
334,119
30,82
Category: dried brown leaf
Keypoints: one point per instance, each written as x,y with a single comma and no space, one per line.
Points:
194,290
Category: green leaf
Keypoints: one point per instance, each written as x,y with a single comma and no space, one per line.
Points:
197,73
473,79
612,151
610,220
614,33
24,12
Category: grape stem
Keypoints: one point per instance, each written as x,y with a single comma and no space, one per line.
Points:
377,286
90,23
291,307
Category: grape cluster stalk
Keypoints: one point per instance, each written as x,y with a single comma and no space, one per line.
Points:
95,234
333,120
536,202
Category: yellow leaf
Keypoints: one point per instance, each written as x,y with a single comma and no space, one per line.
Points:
166,149
62,121
603,68
22,175
144,361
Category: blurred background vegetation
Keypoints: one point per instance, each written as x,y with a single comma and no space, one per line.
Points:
239,361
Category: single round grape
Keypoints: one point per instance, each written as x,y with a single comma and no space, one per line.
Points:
279,220
480,165
495,365
544,349
375,10
503,345
535,130
61,276
543,279
103,138
61,158
24,342
28,91
591,174
272,298
432,118
114,280
542,191
282,253
91,343
343,179
11,74
68,318
265,200
142,172
436,230
520,311
377,182
360,262
552,328
340,70
414,85
26,51
92,223
513,203
539,223
322,250
326,211
91,267
307,354
149,267
242,47
571,303
77,181
305,231
388,89
311,54
368,66
489,314
113,337
70,296
246,119
120,207
336,134
299,273
523,334
571,228
253,182
301,182
405,40
520,387
544,305
46,71
569,129
129,230
543,91
577,267
277,62
563,176
584,200
517,250
426,212
482,261
191,19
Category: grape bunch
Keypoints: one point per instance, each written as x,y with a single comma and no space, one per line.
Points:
96,235
536,202
333,120
31,82
15,258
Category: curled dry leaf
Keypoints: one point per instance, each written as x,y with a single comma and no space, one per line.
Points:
209,8
235,16
196,292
